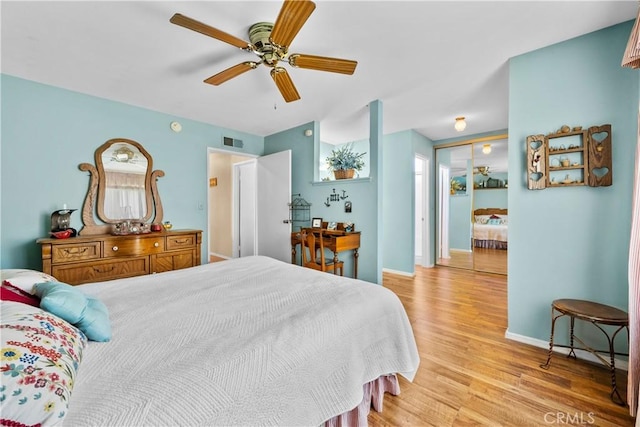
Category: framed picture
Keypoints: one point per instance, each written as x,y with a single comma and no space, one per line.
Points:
332,226
316,223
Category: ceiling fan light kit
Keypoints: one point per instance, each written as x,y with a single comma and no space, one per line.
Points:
486,148
270,42
460,124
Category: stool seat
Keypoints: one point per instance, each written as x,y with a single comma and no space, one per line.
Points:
592,311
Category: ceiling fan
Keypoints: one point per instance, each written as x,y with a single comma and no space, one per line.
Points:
270,42
482,170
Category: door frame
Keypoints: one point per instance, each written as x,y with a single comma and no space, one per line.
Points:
211,174
424,211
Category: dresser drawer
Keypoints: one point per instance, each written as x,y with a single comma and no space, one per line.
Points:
180,242
133,247
75,252
101,270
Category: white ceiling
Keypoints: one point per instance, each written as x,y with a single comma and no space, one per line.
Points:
428,62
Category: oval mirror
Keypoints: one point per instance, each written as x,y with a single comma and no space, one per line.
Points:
123,186
126,171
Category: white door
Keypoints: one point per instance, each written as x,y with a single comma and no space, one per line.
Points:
273,198
244,208
262,193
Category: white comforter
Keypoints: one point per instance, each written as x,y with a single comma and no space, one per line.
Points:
251,341
491,232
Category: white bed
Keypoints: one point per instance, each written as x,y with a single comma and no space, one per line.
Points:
251,341
491,228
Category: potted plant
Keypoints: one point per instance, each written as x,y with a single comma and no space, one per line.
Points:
344,161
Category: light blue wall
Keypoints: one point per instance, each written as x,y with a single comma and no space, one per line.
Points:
399,151
570,242
361,193
47,132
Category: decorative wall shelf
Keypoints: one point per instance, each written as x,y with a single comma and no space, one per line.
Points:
554,162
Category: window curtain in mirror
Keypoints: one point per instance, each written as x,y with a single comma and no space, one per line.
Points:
125,196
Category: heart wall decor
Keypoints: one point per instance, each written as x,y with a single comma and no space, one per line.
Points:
537,160
600,156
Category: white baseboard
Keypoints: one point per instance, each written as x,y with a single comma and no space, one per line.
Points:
467,251
219,255
581,354
398,272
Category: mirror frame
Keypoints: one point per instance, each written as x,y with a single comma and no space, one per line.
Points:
96,192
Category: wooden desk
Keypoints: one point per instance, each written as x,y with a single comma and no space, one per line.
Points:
336,241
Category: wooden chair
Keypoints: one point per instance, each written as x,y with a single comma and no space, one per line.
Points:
311,241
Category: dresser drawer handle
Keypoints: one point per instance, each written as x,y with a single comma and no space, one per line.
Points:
76,251
97,270
182,241
156,244
115,249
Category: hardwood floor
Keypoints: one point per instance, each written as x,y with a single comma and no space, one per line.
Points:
481,259
470,374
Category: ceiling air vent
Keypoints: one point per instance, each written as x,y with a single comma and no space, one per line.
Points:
232,142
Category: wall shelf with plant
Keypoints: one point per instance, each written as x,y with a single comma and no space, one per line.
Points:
344,162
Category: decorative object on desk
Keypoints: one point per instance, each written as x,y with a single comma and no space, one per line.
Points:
332,225
61,221
347,207
316,223
344,162
131,227
62,234
348,226
156,227
167,225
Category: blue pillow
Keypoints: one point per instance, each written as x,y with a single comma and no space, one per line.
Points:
62,300
95,321
88,314
494,221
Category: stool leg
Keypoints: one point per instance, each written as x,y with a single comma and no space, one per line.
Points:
553,326
612,353
572,352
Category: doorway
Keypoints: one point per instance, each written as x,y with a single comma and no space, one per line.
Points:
220,201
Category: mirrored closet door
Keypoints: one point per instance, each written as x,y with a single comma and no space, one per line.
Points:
472,217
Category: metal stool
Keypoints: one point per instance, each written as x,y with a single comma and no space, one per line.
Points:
597,314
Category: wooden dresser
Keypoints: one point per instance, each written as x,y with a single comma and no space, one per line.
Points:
96,258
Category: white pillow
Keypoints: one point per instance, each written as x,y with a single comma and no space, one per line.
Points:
25,279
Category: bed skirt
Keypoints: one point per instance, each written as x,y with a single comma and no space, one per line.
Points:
489,244
372,395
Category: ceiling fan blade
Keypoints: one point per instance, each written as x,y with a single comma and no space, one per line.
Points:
285,84
323,63
192,24
292,16
231,72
